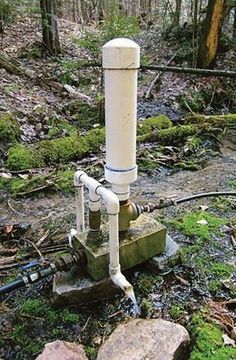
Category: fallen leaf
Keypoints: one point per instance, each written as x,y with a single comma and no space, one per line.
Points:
202,222
228,340
8,228
203,207
5,175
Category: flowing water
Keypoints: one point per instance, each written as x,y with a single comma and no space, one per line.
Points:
131,295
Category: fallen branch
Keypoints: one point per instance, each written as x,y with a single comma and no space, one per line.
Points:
164,68
14,67
158,77
202,72
49,184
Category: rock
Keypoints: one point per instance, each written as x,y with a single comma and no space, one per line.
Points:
62,350
141,339
166,259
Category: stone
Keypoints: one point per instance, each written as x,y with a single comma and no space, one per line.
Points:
166,259
62,350
141,339
145,239
74,287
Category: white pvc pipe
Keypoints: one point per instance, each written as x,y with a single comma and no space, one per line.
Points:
113,207
121,58
79,200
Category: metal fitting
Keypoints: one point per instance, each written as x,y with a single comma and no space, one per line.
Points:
94,220
128,212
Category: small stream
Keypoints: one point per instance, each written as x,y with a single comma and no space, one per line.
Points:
148,109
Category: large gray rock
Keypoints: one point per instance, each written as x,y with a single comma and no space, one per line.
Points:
146,340
62,350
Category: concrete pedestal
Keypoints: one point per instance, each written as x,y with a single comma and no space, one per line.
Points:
145,239
76,287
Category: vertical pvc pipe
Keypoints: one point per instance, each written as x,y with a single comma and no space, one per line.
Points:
114,241
79,200
121,60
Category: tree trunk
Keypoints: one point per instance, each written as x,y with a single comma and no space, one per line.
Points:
178,5
210,34
51,44
234,26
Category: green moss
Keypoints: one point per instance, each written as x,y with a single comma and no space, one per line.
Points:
190,225
9,129
232,183
34,307
208,341
146,308
55,151
215,120
64,181
21,336
68,317
23,157
176,311
91,352
172,135
223,203
154,123
196,101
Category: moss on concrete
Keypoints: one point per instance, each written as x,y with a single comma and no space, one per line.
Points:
9,129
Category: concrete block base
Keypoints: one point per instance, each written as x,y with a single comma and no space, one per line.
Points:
74,287
145,239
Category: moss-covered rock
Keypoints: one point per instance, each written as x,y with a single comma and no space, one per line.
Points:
153,123
9,129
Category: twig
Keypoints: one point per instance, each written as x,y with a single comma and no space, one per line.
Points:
233,241
229,302
86,324
32,317
157,77
42,219
49,184
12,209
44,237
35,247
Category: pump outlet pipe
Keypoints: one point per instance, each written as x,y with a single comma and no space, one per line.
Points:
121,61
96,191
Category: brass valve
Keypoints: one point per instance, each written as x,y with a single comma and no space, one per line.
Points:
128,212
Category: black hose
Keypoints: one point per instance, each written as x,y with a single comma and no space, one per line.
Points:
16,284
163,203
28,279
202,195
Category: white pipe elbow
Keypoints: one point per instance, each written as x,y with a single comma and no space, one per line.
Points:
77,178
119,280
111,200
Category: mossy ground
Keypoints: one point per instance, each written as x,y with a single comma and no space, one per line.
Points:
35,317
208,342
9,129
61,180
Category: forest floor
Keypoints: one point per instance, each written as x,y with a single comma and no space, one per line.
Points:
196,290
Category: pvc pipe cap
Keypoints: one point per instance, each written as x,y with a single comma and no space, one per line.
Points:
121,53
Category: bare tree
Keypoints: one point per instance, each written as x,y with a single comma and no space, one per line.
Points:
51,43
